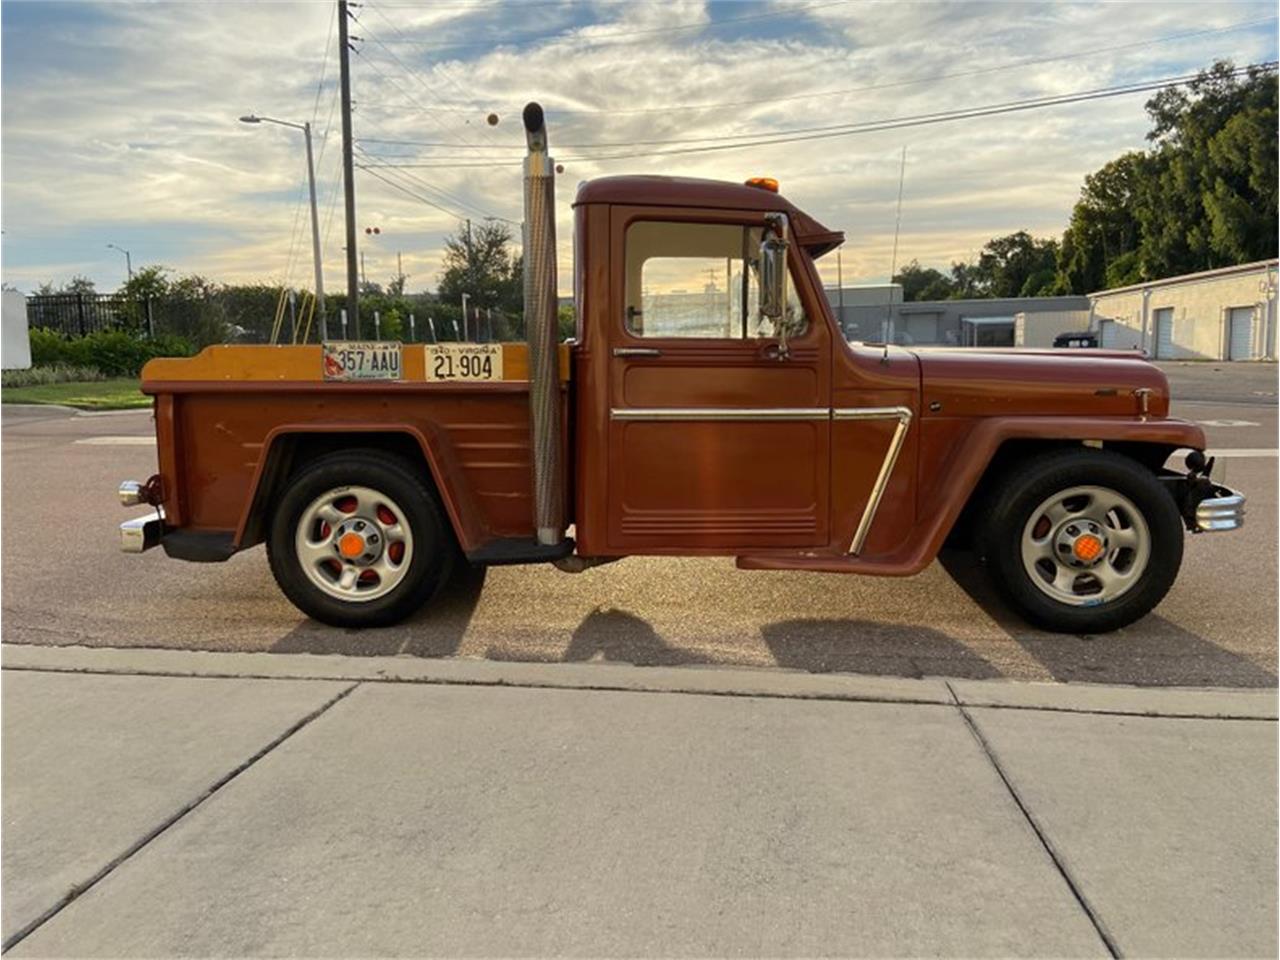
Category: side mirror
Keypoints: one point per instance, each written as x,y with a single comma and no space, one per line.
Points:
773,277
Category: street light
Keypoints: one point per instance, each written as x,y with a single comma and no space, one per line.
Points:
128,260
315,218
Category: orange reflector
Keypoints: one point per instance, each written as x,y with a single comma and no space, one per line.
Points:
764,183
351,545
1088,547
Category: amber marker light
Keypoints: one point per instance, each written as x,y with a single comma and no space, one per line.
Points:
1088,547
764,183
351,545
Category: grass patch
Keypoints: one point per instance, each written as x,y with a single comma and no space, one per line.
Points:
121,394
50,373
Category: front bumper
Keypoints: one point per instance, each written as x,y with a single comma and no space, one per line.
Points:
1222,511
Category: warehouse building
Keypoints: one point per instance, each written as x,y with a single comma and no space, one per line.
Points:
876,313
1225,314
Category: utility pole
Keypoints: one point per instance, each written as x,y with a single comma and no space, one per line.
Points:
348,167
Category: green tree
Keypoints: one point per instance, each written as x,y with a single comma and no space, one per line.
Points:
1017,265
479,262
1203,196
922,283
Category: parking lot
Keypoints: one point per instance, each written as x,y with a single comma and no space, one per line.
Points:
65,582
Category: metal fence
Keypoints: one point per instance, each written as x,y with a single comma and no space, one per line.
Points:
260,314
79,314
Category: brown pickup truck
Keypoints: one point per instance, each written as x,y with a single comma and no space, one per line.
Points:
709,405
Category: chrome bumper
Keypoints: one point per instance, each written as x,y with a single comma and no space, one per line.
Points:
141,533
1225,512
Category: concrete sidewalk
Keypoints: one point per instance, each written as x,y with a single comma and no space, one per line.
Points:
174,803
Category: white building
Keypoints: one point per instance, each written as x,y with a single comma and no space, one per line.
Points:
1225,314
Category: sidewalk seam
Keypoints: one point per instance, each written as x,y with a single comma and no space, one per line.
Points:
1059,863
618,688
138,845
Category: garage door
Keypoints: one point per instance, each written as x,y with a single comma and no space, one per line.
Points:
1240,321
1164,333
1107,335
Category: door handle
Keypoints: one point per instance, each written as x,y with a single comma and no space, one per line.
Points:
772,351
636,352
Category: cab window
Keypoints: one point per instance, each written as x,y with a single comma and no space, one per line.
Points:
697,280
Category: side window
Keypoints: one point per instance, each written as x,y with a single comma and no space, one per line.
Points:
694,280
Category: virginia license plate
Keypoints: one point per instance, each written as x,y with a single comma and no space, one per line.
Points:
464,361
362,360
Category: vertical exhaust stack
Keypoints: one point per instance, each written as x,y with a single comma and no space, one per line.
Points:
542,328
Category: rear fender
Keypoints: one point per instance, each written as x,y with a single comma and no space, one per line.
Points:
278,459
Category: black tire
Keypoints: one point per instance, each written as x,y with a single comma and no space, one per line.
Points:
1009,507
434,548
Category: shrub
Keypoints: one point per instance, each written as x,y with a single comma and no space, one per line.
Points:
113,352
56,373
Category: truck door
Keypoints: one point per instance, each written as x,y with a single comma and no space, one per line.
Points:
716,444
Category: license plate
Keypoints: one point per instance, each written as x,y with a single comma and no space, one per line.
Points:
464,361
367,360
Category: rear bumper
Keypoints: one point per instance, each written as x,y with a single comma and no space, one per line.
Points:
142,533
1222,511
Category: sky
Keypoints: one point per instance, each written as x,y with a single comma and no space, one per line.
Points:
119,120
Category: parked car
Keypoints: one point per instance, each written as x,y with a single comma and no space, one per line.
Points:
1080,339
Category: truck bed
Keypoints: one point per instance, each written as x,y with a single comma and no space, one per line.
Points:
228,418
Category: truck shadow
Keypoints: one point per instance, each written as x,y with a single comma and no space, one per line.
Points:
615,636
868,647
1153,651
435,631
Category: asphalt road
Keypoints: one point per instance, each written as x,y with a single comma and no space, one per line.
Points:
65,582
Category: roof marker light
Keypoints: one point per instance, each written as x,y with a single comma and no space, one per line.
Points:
764,183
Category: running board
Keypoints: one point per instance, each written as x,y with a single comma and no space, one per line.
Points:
834,563
506,551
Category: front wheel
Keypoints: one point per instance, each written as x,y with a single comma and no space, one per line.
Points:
1082,541
358,540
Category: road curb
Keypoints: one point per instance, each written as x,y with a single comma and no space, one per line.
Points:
708,680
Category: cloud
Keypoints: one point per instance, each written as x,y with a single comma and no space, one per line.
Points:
119,119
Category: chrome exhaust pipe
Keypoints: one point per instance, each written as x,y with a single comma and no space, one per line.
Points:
542,327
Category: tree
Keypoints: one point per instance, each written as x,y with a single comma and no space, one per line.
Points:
479,263
1203,196
1017,265
77,284
922,283
1104,226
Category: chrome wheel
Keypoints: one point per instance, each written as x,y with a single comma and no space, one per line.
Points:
354,543
1085,546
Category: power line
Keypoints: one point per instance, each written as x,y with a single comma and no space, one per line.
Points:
438,191
843,130
371,170
416,74
960,74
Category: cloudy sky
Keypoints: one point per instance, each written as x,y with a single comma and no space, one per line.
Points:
120,119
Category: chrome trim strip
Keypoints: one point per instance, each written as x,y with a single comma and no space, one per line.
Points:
903,416
636,352
870,413
720,413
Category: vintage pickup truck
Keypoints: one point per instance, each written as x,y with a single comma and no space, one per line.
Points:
709,405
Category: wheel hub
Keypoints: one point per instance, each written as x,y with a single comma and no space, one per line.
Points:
357,541
1081,542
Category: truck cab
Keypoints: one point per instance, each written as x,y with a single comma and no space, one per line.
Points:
708,405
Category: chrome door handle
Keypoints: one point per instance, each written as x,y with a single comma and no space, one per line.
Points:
636,352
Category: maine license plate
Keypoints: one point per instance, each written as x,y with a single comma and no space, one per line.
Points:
464,361
362,360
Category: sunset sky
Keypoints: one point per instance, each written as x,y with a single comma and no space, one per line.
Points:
120,119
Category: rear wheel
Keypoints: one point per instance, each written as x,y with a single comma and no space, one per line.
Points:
1081,541
358,540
